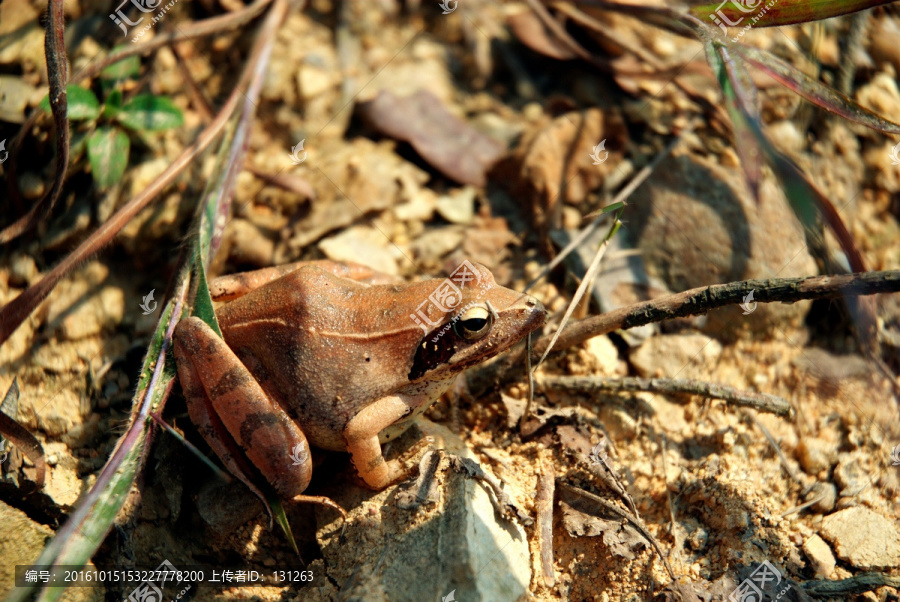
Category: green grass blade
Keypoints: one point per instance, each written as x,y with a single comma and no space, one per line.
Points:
742,106
814,91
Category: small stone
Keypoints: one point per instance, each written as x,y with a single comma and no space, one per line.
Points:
698,539
881,95
31,186
816,455
828,494
604,357
820,557
363,245
676,356
313,81
459,206
850,474
862,537
22,271
786,136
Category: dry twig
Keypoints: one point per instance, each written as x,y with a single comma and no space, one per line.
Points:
763,402
544,505
622,513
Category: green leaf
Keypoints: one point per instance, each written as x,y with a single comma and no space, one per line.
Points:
113,105
108,153
151,113
281,519
125,69
82,104
203,307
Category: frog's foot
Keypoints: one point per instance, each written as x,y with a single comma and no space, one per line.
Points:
321,500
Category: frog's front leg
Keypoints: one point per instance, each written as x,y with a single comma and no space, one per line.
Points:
361,434
237,418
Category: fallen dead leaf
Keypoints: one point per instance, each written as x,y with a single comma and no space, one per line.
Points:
448,143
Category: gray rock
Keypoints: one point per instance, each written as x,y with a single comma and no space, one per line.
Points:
452,541
851,475
697,224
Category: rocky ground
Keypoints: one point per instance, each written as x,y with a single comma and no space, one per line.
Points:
491,166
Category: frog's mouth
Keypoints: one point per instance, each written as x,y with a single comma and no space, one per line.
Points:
444,347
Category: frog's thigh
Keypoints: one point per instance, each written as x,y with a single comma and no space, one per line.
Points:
232,286
361,434
218,387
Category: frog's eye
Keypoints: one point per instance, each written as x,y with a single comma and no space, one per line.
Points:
474,323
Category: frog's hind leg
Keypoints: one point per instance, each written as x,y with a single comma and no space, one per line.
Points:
236,417
232,286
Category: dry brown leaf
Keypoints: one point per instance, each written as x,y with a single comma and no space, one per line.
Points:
529,30
555,161
445,141
620,537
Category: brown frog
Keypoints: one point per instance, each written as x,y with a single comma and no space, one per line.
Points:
337,356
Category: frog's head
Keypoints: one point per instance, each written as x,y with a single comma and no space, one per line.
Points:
469,319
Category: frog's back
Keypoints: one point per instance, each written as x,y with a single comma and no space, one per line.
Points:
321,346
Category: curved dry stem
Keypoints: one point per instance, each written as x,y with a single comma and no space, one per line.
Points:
55,51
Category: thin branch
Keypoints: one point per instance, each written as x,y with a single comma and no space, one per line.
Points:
543,502
693,302
22,438
857,584
591,384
